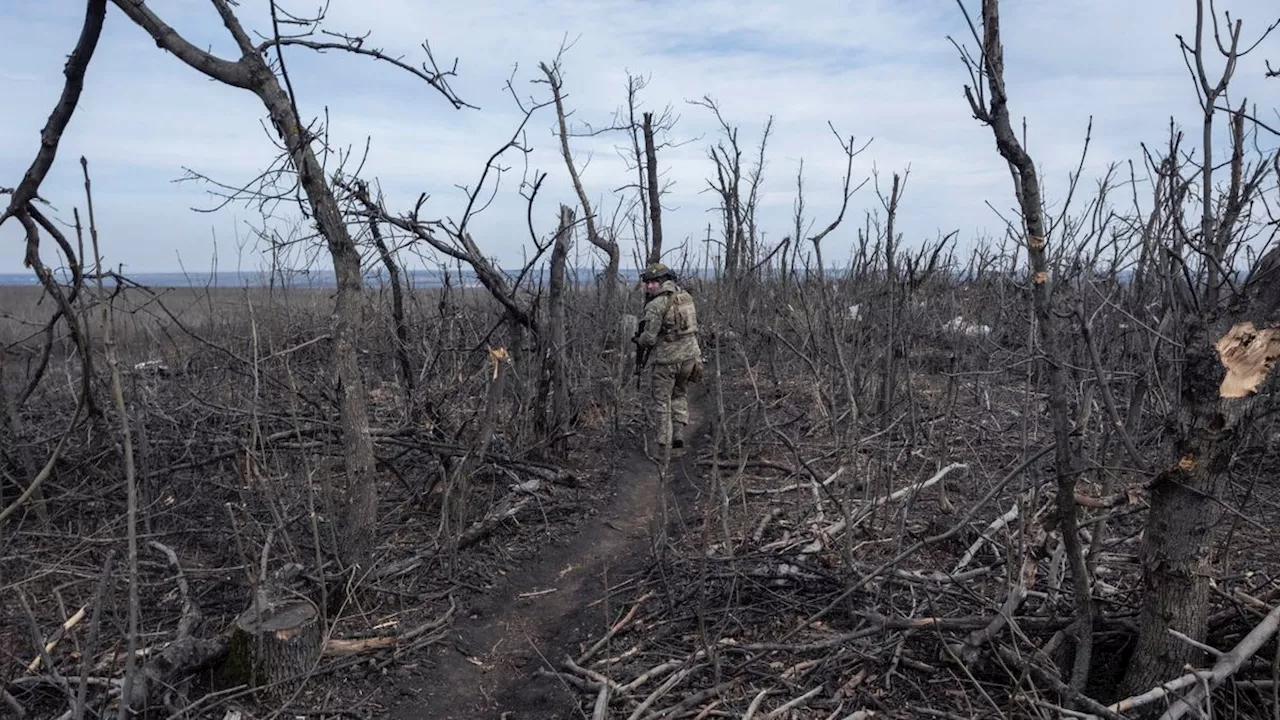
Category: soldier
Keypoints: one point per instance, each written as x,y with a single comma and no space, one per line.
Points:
669,333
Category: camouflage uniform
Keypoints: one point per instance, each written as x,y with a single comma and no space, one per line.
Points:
670,328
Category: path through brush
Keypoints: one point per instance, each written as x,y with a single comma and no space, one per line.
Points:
547,610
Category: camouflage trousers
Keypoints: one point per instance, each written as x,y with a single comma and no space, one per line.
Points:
670,399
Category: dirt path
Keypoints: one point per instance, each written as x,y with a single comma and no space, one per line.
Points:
545,611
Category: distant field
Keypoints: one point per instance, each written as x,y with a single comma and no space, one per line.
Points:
419,279
156,321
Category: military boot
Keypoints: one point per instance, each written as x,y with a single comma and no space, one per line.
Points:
677,435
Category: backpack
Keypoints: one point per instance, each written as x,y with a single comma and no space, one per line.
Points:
681,317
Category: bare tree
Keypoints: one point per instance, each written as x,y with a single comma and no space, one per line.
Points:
740,240
354,498
1216,321
607,245
22,207
651,185
888,383
994,112
643,127
387,254
557,351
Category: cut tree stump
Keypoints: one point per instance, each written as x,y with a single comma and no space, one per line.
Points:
274,645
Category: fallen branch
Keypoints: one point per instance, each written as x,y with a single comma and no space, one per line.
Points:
618,626
601,710
764,523
482,528
968,651
985,536
839,526
963,522
1057,685
596,677
1204,680
661,690
185,653
794,703
12,703
49,464
338,647
57,636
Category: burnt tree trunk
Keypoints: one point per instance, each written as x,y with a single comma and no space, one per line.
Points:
655,207
557,355
274,646
889,383
355,495
1214,418
397,315
995,112
606,245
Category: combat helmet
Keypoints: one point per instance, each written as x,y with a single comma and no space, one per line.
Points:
657,272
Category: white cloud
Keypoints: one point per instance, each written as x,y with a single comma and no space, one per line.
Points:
873,70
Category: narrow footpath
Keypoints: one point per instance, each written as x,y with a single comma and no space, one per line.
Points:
544,612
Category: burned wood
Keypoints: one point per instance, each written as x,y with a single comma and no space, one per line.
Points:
1202,682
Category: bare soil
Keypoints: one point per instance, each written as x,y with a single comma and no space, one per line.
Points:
546,611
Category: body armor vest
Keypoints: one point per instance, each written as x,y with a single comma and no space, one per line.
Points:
681,317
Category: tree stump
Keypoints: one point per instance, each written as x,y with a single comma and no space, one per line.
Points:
274,645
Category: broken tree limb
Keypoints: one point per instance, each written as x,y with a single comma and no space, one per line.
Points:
185,653
764,523
507,508
1204,680
961,523
755,704
335,647
661,690
1047,677
57,636
794,703
12,703
618,626
91,643
995,526
968,651
839,526
604,681
1248,354
34,486
601,709
58,680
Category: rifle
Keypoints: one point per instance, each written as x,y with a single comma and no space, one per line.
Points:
642,353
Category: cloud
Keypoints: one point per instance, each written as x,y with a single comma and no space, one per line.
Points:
881,70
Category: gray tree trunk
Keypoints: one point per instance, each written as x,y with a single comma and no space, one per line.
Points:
354,495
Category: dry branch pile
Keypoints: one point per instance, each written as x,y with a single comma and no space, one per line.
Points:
233,450
917,569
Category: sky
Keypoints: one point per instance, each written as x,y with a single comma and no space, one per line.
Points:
878,70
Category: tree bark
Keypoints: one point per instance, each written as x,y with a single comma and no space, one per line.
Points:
355,496
1175,546
607,245
397,312
557,354
1212,419
274,644
890,380
655,207
1027,188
